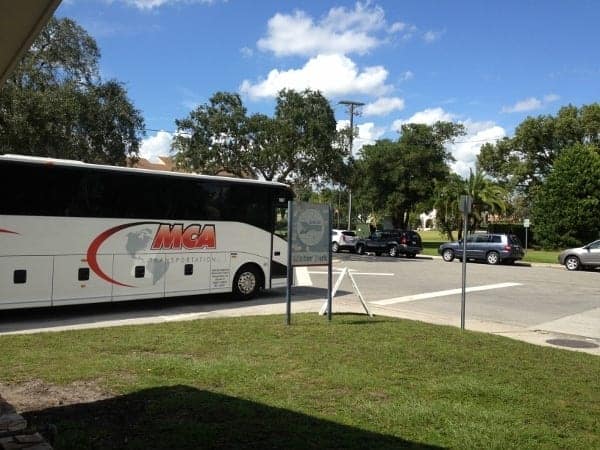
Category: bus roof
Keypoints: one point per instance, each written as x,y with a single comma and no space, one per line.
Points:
74,163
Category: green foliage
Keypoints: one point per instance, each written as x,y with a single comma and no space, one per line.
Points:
214,137
294,146
253,382
393,177
487,196
526,159
55,105
566,211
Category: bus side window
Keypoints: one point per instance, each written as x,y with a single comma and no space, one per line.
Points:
281,222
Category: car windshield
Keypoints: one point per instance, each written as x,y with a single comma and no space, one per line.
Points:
514,240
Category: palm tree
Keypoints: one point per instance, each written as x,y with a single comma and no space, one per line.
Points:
486,195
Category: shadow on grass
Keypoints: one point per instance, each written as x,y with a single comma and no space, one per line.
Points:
183,417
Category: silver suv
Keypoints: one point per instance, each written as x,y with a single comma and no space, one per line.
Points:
584,257
343,240
493,248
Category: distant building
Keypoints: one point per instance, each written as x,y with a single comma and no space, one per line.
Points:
163,163
166,163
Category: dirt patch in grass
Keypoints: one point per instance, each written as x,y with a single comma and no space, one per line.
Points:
36,395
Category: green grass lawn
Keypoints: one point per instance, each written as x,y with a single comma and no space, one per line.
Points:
433,239
253,382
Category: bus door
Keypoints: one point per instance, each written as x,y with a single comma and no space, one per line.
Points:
279,243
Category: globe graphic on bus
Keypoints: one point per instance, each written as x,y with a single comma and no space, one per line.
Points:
138,241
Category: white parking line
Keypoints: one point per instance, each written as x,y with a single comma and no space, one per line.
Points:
302,277
336,271
411,298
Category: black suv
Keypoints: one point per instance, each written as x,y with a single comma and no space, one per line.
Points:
391,242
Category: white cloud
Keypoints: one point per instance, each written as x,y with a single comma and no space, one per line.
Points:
405,76
247,52
368,133
152,4
331,74
383,106
342,30
530,104
428,117
466,148
155,146
432,36
551,98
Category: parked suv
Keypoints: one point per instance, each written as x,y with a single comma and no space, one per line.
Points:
391,242
343,240
493,248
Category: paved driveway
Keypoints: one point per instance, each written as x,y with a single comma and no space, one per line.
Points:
535,304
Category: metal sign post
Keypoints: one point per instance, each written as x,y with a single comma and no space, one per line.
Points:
526,225
465,204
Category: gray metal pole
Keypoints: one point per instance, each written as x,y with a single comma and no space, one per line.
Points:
351,142
464,271
330,272
290,269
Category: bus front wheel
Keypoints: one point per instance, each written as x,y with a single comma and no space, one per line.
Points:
247,282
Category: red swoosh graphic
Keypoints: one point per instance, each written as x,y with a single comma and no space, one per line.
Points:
92,253
2,230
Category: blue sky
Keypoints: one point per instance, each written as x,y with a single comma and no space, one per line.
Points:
487,64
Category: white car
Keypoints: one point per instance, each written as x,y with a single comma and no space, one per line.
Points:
343,240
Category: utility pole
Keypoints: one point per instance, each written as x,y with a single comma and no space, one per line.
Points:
352,105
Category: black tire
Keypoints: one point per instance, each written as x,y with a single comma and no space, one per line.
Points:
411,255
572,262
393,251
492,258
246,282
377,253
448,255
360,249
335,247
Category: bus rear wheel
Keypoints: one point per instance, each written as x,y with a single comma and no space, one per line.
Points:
246,283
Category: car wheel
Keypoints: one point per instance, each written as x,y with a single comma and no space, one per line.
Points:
572,263
246,282
492,258
411,255
335,247
360,249
377,253
393,251
448,255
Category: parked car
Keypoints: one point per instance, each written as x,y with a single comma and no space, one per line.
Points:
391,242
586,257
493,248
343,240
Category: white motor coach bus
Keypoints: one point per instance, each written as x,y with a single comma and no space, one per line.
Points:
72,232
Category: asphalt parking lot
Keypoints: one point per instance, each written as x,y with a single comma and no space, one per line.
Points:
536,304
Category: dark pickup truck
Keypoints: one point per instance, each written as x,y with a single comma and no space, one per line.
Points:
391,242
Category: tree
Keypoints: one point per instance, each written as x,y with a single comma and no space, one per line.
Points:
446,195
55,104
526,159
393,177
214,137
486,195
567,204
295,146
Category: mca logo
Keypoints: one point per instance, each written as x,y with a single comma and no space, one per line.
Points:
167,237
192,237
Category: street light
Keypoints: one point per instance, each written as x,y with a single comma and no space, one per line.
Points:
351,109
